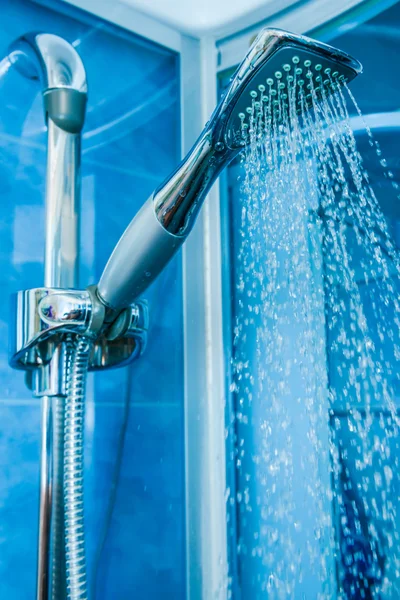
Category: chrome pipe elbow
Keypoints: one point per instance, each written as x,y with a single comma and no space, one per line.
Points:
59,68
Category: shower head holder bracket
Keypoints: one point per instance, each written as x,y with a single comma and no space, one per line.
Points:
43,317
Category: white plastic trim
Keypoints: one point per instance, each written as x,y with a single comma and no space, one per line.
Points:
133,20
205,481
209,17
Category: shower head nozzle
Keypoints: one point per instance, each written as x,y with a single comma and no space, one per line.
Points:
277,60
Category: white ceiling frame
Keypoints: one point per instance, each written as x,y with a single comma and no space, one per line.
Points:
303,17
205,18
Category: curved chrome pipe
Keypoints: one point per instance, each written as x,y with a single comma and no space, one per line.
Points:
51,59
166,219
60,71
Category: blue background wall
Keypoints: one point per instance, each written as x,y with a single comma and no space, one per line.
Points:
131,142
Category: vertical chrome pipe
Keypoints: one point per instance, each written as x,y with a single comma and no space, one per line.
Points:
59,68
61,271
62,208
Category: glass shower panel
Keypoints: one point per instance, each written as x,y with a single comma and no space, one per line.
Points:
134,469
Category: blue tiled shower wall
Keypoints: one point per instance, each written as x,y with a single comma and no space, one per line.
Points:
130,143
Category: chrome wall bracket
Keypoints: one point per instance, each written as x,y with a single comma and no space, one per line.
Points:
43,317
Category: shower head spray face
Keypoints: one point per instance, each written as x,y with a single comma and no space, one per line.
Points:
277,60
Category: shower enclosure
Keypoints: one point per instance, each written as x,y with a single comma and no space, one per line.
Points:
158,460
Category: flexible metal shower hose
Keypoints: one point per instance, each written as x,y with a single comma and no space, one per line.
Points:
78,351
58,589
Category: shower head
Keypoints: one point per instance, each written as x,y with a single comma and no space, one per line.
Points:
275,59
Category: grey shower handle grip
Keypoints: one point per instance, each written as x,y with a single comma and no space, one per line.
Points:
165,221
141,254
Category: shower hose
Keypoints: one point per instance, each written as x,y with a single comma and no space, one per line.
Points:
77,362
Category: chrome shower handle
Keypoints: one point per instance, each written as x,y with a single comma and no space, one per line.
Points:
140,255
163,223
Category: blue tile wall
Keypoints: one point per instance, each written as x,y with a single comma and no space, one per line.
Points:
130,143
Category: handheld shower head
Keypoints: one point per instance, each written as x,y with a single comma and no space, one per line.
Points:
163,223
